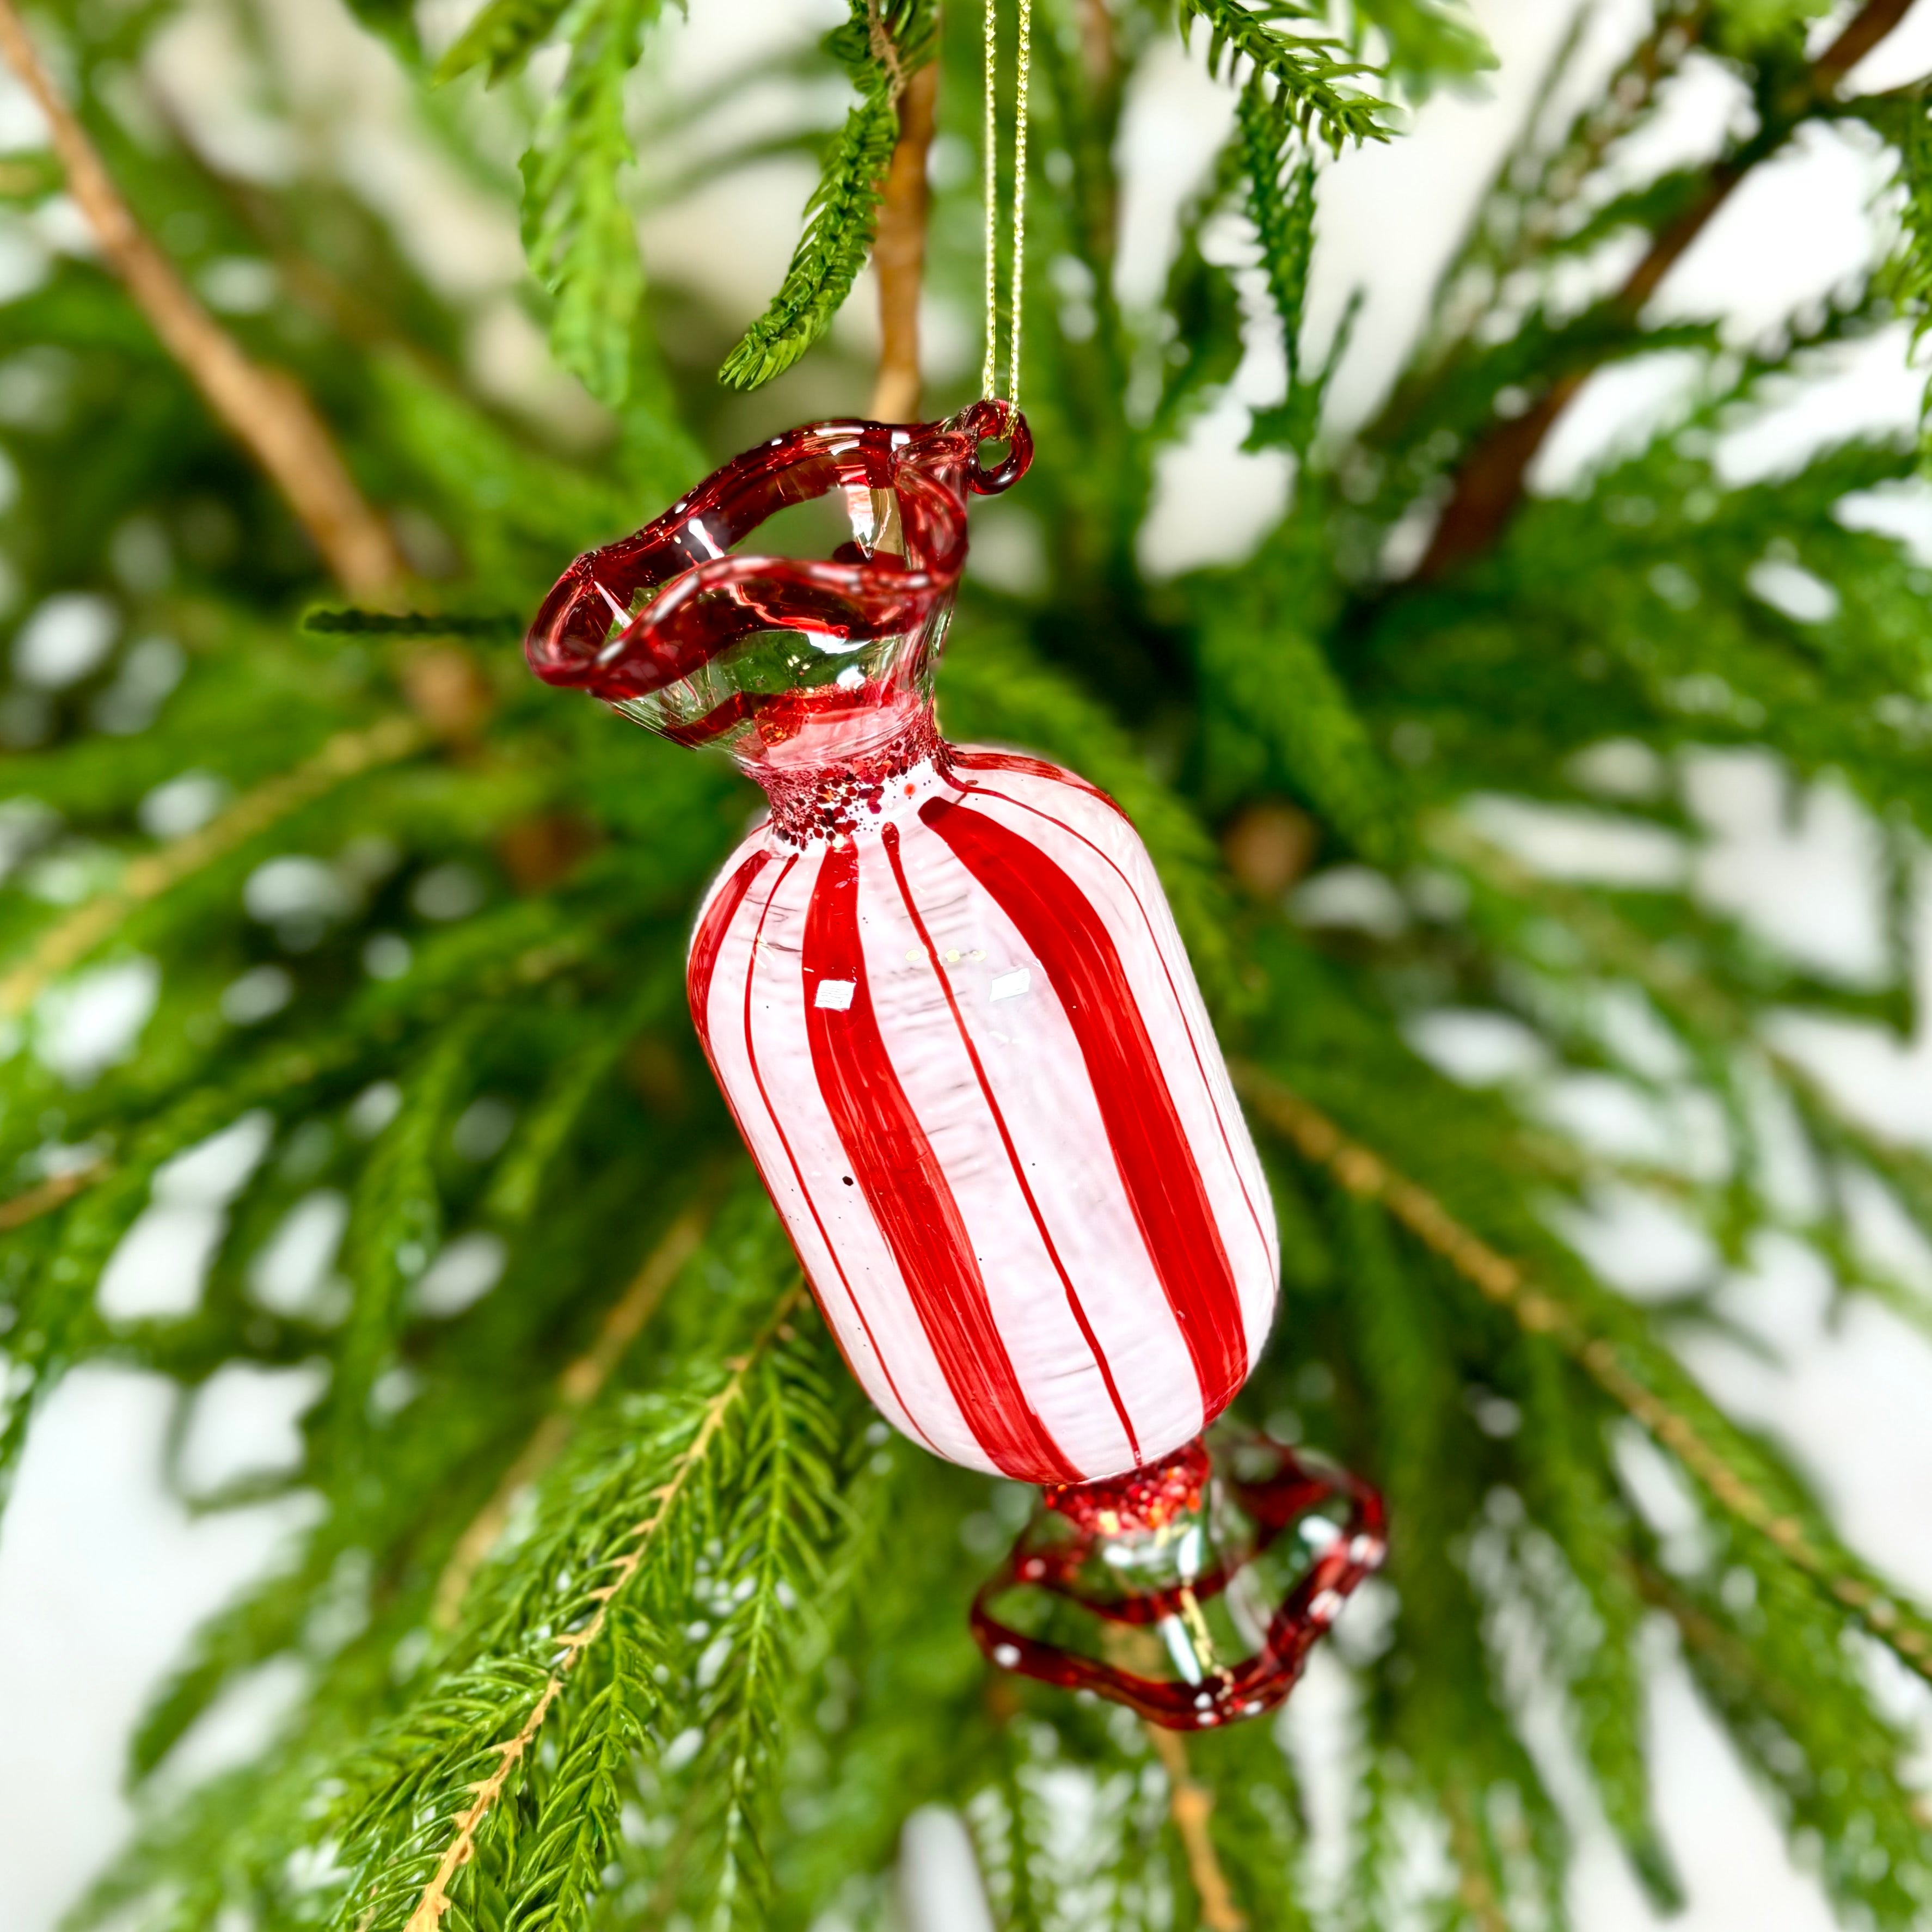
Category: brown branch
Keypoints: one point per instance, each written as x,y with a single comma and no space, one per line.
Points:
899,255
70,939
1489,486
1540,1311
1097,53
577,1388
1476,1890
265,408
1190,1803
54,1192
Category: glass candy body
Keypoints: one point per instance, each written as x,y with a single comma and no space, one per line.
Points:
943,993
961,1038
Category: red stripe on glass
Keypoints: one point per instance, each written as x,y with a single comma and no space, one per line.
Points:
1069,939
976,759
895,1169
1180,1005
889,837
798,1173
707,941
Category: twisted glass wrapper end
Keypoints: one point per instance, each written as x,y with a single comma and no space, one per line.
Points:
790,663
1191,1590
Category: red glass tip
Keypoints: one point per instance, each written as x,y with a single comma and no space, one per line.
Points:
1153,1589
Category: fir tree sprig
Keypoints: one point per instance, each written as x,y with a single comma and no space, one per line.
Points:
1429,40
412,1845
578,230
841,218
880,48
1311,76
80,932
1281,204
501,38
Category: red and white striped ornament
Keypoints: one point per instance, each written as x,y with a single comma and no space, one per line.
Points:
943,992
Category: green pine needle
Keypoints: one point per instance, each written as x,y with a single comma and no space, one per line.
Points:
328,620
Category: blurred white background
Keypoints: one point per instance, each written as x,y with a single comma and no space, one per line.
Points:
102,1576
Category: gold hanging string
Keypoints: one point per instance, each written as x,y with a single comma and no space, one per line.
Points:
989,147
989,378
1021,73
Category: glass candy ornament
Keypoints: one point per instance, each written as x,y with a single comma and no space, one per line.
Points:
942,994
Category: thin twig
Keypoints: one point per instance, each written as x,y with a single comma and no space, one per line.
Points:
266,410
899,255
1476,1890
1190,1803
54,1192
1541,1311
435,1899
69,939
577,1388
1097,53
1490,485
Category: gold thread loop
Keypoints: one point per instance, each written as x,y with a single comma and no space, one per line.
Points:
989,377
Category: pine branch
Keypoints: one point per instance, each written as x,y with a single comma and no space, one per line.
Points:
1794,1697
1681,989
578,231
841,219
1281,204
570,1645
1191,1804
55,1318
56,1191
1266,666
395,1228
787,1505
355,621
265,410
1489,485
1561,1458
501,38
1697,1440
1476,1889
577,1388
70,939
1428,41
1310,81
1205,347
576,1835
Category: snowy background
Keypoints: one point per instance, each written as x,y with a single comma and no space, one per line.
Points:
103,1577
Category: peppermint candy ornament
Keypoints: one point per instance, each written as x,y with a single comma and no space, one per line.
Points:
945,999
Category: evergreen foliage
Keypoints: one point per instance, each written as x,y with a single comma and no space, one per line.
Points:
880,48
613,1604
1313,80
